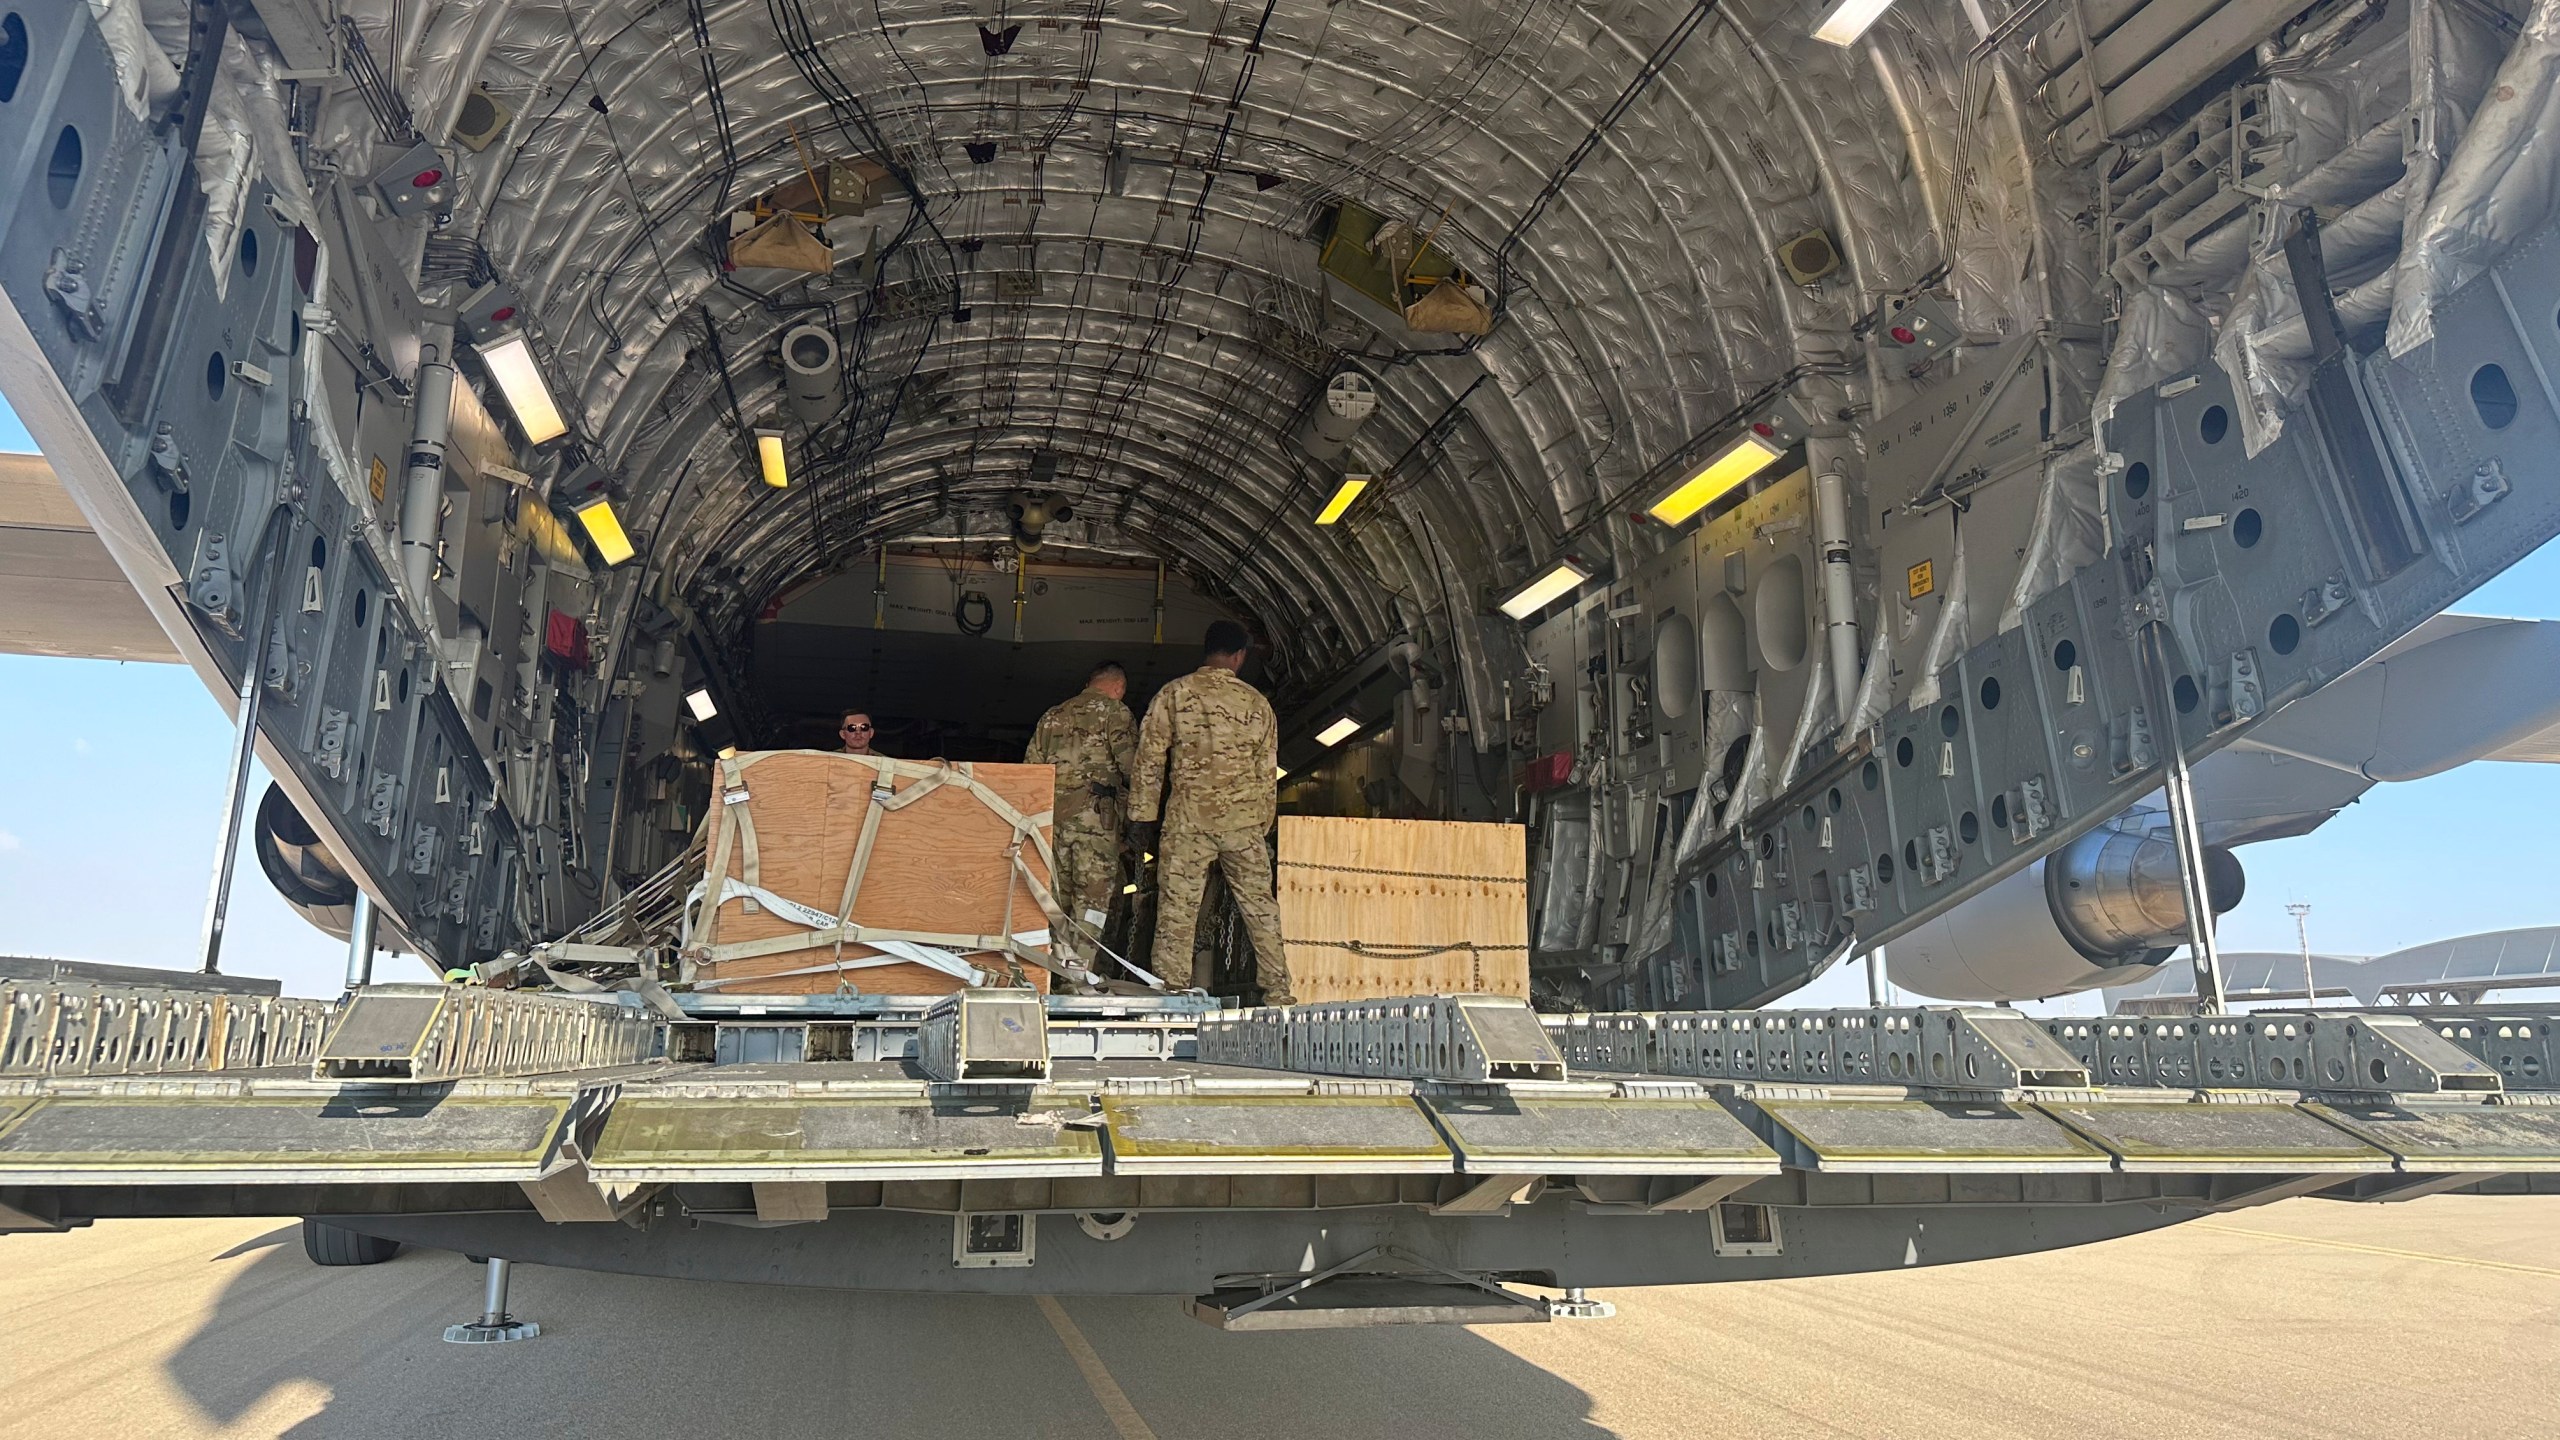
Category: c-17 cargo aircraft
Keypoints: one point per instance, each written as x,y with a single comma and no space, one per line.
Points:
1926,476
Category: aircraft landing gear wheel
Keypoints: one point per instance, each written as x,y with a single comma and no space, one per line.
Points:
329,1244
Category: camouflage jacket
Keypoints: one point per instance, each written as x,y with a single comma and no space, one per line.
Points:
1092,741
1214,737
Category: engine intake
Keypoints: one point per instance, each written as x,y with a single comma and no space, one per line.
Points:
2115,891
302,867
2101,911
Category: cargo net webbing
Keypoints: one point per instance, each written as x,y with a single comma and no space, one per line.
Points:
730,833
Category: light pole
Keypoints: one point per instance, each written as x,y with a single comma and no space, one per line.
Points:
2301,913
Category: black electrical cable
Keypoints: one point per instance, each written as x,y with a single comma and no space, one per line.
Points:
381,98
720,362
621,160
1645,75
800,41
717,101
978,600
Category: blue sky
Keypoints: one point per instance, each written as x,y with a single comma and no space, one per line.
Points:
107,832
109,817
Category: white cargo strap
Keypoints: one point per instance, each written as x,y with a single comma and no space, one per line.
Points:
894,952
823,926
733,888
938,949
736,830
862,847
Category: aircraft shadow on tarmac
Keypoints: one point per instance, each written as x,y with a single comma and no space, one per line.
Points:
630,1355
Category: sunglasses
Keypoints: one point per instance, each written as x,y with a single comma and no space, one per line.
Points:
849,729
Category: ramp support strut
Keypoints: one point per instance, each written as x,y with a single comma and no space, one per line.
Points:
495,1326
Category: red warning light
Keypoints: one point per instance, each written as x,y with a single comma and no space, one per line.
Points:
1904,335
1763,429
427,179
502,314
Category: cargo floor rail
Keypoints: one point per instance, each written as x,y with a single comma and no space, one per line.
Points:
429,1033
1965,1049
59,1028
1477,1039
1942,1048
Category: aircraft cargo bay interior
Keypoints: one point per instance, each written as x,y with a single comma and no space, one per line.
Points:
1243,647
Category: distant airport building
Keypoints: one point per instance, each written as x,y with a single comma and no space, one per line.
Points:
2460,971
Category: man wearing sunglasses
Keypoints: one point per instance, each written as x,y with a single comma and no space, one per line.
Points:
855,730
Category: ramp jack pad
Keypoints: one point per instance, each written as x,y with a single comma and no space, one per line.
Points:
1378,1286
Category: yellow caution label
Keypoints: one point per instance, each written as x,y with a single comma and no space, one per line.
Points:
381,479
1922,579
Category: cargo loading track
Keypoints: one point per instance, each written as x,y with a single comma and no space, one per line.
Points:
917,1146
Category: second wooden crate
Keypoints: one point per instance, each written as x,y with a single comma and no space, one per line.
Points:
1377,908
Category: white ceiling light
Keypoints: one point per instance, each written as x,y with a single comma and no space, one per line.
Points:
511,364
1337,732
1535,596
1849,19
701,704
772,459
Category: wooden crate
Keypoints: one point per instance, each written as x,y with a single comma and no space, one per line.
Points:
942,864
1416,895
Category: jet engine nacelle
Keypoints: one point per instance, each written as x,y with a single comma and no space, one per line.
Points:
302,867
2104,910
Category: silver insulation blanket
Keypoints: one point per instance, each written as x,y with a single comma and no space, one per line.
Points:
2503,182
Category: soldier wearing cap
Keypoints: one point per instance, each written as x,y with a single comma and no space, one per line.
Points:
1212,741
1092,741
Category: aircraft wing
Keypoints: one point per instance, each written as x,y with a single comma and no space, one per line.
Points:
2459,688
60,592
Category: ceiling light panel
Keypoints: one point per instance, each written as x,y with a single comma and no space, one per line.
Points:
511,364
1538,594
1747,456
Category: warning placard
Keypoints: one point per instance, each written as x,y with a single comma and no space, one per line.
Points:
1922,580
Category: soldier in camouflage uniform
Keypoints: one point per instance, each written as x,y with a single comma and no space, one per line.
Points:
1216,738
1092,741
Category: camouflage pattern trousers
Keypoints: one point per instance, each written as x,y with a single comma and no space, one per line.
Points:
1182,871
1088,877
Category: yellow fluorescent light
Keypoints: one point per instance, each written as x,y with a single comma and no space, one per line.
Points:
770,456
605,529
1737,462
1850,19
1337,732
1535,596
511,364
701,704
1352,485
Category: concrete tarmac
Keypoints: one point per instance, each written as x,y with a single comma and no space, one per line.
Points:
2305,1319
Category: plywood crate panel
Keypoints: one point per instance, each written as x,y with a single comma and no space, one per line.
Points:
940,865
1437,907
